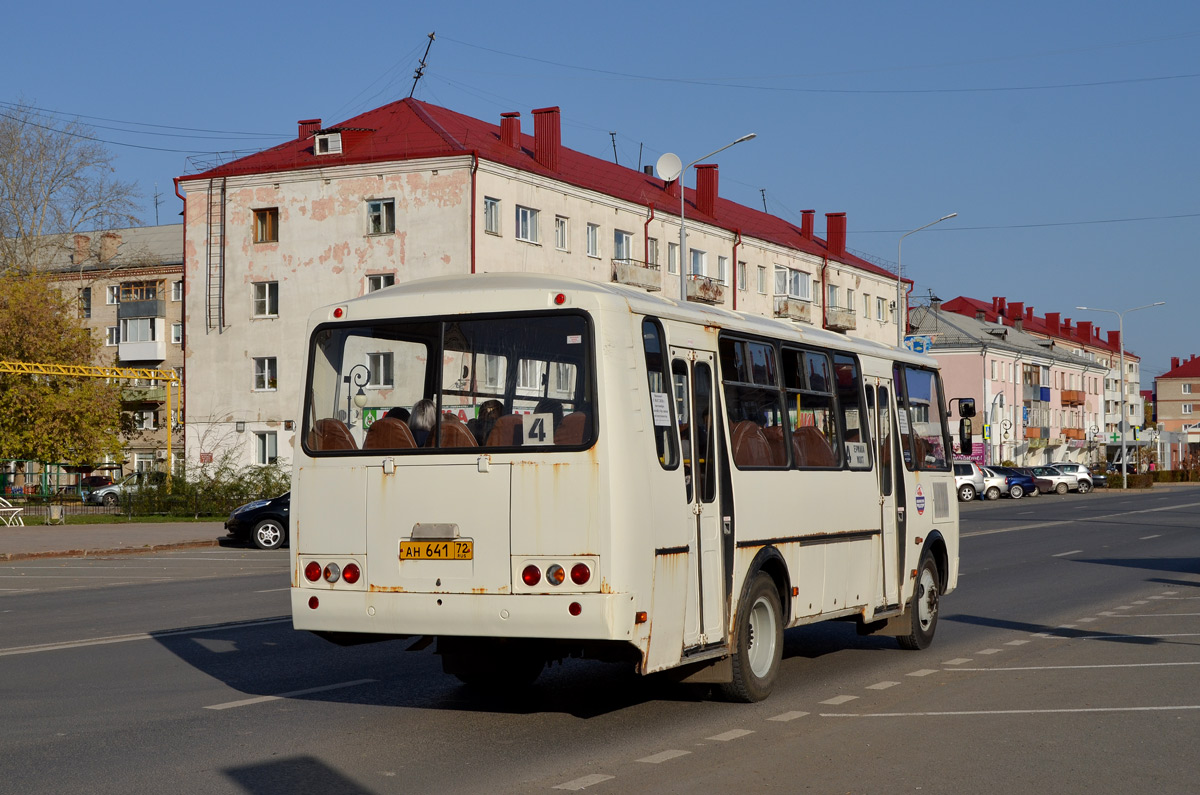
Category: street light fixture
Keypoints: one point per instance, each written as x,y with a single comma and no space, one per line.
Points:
901,321
1121,380
669,168
358,376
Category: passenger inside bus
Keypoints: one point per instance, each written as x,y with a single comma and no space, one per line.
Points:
424,416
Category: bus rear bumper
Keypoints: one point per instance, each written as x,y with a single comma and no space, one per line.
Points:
601,616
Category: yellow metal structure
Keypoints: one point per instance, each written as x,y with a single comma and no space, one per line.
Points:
88,371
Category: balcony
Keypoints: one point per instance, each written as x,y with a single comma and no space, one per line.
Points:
636,273
144,394
151,308
705,290
1073,397
793,308
151,351
1074,433
840,319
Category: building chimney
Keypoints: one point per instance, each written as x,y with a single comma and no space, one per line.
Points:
980,315
1052,322
835,233
547,137
83,247
648,170
1066,327
1018,323
510,129
1085,329
1001,306
706,189
1174,360
1029,314
806,223
1015,309
308,127
672,188
109,243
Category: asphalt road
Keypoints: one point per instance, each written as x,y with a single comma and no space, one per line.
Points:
1067,661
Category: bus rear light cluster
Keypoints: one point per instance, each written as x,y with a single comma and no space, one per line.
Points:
332,572
581,574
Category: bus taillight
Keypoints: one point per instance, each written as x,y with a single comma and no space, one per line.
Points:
351,573
531,576
312,571
333,573
555,575
580,573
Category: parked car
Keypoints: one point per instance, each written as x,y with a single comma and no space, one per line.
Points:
93,482
968,479
1099,477
994,484
265,522
1041,485
1082,474
111,494
1061,480
1018,483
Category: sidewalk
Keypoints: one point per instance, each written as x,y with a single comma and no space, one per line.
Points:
84,540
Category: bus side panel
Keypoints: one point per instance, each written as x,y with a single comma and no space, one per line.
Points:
329,509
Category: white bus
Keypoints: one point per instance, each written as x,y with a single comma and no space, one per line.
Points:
613,475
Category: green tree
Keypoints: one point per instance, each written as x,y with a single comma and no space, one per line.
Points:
73,420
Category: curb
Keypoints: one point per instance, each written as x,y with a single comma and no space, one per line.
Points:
88,553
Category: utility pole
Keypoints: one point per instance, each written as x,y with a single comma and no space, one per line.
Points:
421,69
613,135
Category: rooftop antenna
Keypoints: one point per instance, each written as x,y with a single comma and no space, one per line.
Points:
613,135
763,191
640,163
421,69
157,196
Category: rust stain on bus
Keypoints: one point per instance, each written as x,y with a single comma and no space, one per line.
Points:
385,589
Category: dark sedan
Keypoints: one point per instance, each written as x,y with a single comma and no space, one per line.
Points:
1019,483
265,522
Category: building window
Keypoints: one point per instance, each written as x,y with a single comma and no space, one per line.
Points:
672,258
137,329
1187,389
265,447
139,291
527,224
266,373
560,233
723,270
329,144
762,279
699,262
381,216
266,225
491,215
741,275
266,299
593,240
622,245
113,294
177,290
652,251
380,280
85,302
114,335
1187,408
792,283
380,367
145,420
832,298
177,333
880,309
849,300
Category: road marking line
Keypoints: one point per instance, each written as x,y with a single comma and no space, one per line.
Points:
1016,643
584,782
1152,615
261,699
732,734
274,590
77,644
957,661
1147,538
1119,637
1071,667
989,651
1064,554
787,716
1004,712
1141,602
882,685
923,672
1088,620
1169,593
839,700
663,756
1124,607
1070,521
1066,626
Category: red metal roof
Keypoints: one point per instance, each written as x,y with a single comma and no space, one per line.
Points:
410,129
1187,368
1000,310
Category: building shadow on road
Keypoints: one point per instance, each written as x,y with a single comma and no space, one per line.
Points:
1174,565
296,774
1063,632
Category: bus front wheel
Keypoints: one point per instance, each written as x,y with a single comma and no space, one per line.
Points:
759,643
924,610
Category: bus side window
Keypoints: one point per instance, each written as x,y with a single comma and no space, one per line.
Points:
753,404
679,374
660,394
885,443
812,420
849,390
921,410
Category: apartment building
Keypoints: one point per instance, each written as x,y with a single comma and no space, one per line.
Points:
411,190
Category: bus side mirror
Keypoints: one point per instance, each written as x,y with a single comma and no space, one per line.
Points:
966,407
965,426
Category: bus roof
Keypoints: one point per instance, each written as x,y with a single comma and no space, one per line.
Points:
423,297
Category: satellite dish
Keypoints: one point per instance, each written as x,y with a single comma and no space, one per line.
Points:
669,167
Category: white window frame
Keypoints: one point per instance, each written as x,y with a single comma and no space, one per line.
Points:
145,420
138,325
112,294
263,293
176,333
113,336
622,245
723,270
328,144
698,262
1187,408
266,373
266,447
762,279
880,308
377,281
561,233
177,290
850,301
381,217
381,366
1187,389
741,276
672,258
527,224
593,240
831,297
491,215
652,251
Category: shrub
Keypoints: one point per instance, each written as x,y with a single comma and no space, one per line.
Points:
208,493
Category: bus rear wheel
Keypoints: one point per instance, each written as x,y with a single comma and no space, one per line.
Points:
924,610
759,643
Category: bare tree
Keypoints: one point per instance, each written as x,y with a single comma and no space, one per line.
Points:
55,179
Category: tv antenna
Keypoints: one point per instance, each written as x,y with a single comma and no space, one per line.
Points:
421,69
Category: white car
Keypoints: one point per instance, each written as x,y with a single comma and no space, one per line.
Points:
1061,480
1082,474
994,484
968,479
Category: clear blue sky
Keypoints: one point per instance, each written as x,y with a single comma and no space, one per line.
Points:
1063,134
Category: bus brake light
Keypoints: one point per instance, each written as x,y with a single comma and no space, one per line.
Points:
580,573
312,572
531,576
351,573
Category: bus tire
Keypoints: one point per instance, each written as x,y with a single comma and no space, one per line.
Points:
923,614
759,643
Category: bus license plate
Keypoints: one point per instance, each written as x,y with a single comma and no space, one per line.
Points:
437,550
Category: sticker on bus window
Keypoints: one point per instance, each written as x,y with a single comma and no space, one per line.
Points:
660,403
902,418
574,339
537,429
857,455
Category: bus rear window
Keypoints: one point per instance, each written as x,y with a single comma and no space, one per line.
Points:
415,386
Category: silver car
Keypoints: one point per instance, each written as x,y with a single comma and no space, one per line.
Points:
1061,480
968,479
1082,474
994,484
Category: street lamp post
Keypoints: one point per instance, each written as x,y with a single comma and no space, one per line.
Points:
669,168
1121,380
901,322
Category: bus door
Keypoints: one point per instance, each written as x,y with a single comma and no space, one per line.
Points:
693,375
879,406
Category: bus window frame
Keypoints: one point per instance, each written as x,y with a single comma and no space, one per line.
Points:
838,445
900,381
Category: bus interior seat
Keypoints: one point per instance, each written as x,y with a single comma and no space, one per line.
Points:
389,433
331,434
811,448
506,432
452,433
778,450
574,429
750,445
